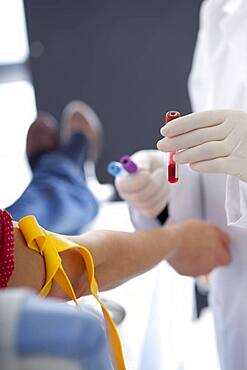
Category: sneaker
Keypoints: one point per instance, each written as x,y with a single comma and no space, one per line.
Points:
77,116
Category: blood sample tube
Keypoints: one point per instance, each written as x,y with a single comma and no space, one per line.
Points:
128,164
114,168
172,168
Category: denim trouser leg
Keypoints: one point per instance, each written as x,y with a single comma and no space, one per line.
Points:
57,195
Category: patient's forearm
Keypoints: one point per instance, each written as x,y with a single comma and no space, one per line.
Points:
192,248
119,256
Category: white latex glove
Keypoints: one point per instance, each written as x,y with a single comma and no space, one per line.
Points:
212,141
148,189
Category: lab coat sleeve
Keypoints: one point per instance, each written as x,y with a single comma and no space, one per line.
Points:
236,202
186,200
186,196
142,222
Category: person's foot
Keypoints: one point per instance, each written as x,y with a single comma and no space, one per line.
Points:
78,117
42,137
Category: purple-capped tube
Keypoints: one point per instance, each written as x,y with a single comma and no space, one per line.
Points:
128,164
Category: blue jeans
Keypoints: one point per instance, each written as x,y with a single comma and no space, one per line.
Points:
57,196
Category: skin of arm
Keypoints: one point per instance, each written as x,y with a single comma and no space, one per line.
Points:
120,256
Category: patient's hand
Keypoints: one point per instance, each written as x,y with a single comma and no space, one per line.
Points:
199,248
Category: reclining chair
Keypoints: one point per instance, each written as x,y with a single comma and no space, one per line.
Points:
47,334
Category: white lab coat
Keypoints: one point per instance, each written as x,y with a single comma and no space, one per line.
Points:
219,81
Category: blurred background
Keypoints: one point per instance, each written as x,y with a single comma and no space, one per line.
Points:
130,61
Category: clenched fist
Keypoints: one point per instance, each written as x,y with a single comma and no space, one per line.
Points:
199,247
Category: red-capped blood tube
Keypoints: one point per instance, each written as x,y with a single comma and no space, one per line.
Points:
172,168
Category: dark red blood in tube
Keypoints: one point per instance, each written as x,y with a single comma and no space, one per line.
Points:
172,166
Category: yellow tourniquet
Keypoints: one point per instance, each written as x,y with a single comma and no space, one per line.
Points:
49,245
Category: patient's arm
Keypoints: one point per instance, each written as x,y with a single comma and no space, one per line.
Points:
29,265
193,248
30,268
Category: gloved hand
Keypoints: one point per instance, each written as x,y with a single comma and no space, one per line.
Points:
212,141
148,189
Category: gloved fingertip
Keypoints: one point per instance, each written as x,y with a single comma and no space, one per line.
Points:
159,145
